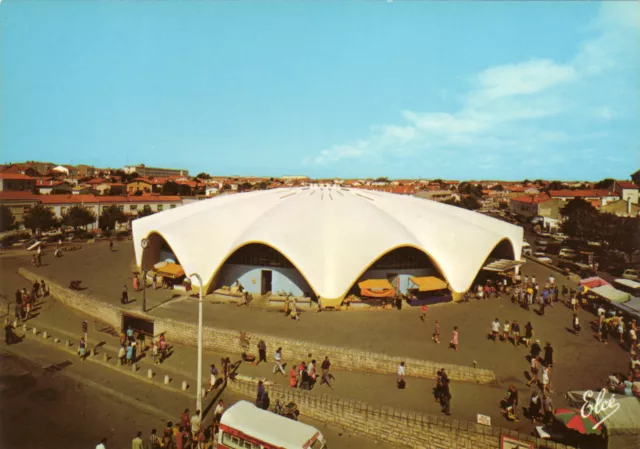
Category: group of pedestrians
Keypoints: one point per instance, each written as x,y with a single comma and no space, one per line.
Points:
528,292
511,332
36,257
190,433
627,332
133,345
25,299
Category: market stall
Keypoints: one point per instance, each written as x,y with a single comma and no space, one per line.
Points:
593,282
376,288
171,273
609,294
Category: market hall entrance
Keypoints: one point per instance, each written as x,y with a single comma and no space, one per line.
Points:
267,282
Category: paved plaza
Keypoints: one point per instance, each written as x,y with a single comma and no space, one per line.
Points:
580,362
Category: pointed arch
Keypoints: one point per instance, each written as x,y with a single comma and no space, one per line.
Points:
380,264
246,263
158,246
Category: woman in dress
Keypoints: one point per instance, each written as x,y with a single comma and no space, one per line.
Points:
454,338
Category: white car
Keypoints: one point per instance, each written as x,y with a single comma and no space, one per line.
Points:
544,259
566,252
631,274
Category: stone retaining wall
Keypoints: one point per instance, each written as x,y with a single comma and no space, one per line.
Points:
228,340
396,426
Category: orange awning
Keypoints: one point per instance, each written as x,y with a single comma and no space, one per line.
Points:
428,283
171,270
376,288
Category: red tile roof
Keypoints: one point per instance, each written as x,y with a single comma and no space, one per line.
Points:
48,183
532,199
96,181
18,195
581,193
627,185
18,176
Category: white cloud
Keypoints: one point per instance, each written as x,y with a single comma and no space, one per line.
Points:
502,111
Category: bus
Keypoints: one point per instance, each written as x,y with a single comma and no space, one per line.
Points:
245,426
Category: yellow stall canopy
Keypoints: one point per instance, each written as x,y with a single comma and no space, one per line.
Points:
376,288
171,270
429,283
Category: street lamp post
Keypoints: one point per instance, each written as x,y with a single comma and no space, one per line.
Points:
145,245
199,391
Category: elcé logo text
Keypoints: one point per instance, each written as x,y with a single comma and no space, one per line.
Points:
601,405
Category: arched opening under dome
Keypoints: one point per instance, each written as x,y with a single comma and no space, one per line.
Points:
405,271
261,269
500,264
158,250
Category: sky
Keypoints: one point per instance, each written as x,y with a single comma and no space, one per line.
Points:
403,89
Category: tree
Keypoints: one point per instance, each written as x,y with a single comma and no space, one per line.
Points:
382,179
146,211
7,220
261,185
470,202
40,218
173,188
467,188
636,178
555,185
498,188
244,186
581,220
78,217
604,184
203,175
110,217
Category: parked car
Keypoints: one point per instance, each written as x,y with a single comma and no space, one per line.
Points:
567,253
631,274
542,242
539,254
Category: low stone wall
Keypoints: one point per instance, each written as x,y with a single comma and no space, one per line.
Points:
228,340
396,426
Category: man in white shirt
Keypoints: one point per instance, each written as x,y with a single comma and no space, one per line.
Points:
195,423
401,373
495,330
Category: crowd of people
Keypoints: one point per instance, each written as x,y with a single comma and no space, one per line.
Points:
133,341
25,299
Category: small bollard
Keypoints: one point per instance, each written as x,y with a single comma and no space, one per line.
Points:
35,331
184,385
166,379
44,335
67,344
105,357
56,340
119,362
24,326
150,373
134,367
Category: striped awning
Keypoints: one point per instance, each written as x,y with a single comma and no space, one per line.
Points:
503,265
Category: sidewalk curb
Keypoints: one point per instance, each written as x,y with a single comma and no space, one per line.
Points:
94,359
164,416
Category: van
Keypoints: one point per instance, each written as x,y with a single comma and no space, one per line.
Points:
627,286
243,425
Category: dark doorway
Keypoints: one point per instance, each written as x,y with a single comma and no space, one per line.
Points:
138,324
267,278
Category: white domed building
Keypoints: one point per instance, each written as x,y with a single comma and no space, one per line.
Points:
327,242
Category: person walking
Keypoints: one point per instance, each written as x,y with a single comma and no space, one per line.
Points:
214,374
185,420
124,299
168,442
154,442
436,332
82,349
111,245
163,347
137,441
445,396
401,372
548,355
455,339
528,333
129,355
546,379
217,413
122,353
136,283
535,405
155,353
535,367
506,331
293,377
547,408
196,423
262,352
495,330
423,317
278,362
103,444
43,288
260,396
576,324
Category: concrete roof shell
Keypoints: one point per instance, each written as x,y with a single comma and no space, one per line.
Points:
331,235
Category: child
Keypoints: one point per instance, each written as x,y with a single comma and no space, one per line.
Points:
454,338
424,313
576,324
436,332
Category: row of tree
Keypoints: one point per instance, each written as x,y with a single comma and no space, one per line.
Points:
582,221
41,218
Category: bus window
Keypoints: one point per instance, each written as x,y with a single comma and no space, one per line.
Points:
231,441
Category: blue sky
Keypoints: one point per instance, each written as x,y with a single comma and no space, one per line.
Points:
462,90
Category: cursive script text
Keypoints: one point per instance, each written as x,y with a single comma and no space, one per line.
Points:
601,405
